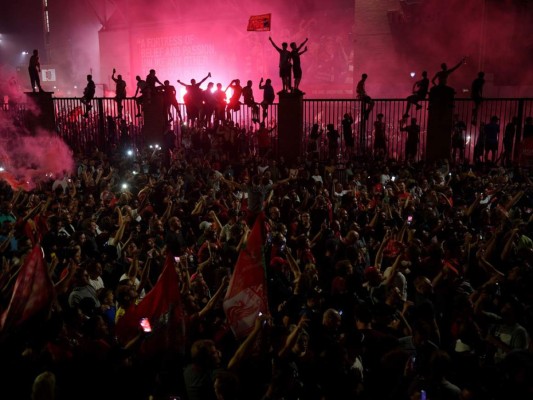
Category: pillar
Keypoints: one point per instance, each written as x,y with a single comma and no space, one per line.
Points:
290,125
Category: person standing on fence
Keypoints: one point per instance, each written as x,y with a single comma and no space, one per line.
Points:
140,94
193,99
413,138
268,96
248,99
88,95
120,91
477,94
296,66
347,134
171,101
367,104
219,96
284,64
380,137
234,103
34,69
420,91
151,80
208,106
441,77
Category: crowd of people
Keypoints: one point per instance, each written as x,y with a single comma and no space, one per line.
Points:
390,281
384,280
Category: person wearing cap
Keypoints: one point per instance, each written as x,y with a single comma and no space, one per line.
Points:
492,133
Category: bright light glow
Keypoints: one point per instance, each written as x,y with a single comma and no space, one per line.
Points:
412,74
2,169
183,92
25,53
129,152
75,87
124,186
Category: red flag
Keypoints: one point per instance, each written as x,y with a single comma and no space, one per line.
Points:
259,23
33,292
246,296
163,307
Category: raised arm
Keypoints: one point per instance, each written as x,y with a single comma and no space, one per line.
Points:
203,80
113,75
181,83
457,65
302,45
274,44
301,52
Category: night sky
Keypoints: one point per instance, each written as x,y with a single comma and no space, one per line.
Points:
430,35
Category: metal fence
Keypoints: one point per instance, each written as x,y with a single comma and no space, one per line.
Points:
102,127
327,111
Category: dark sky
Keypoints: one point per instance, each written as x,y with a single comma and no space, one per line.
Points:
441,33
21,28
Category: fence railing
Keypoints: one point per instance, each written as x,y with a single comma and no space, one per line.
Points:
103,128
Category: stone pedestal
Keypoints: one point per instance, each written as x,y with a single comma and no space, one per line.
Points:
440,123
155,121
290,125
39,112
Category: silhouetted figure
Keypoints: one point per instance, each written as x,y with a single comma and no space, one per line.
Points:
527,132
413,138
296,66
193,99
492,133
208,106
333,141
248,99
458,138
170,100
88,95
284,64
34,69
312,144
479,148
219,96
367,104
380,137
140,94
111,129
508,140
234,103
120,91
420,91
477,94
347,133
268,96
264,139
151,80
441,77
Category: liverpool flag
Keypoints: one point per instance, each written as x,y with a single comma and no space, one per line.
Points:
33,292
246,296
259,23
163,307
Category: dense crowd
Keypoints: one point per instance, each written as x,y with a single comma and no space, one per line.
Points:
387,280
